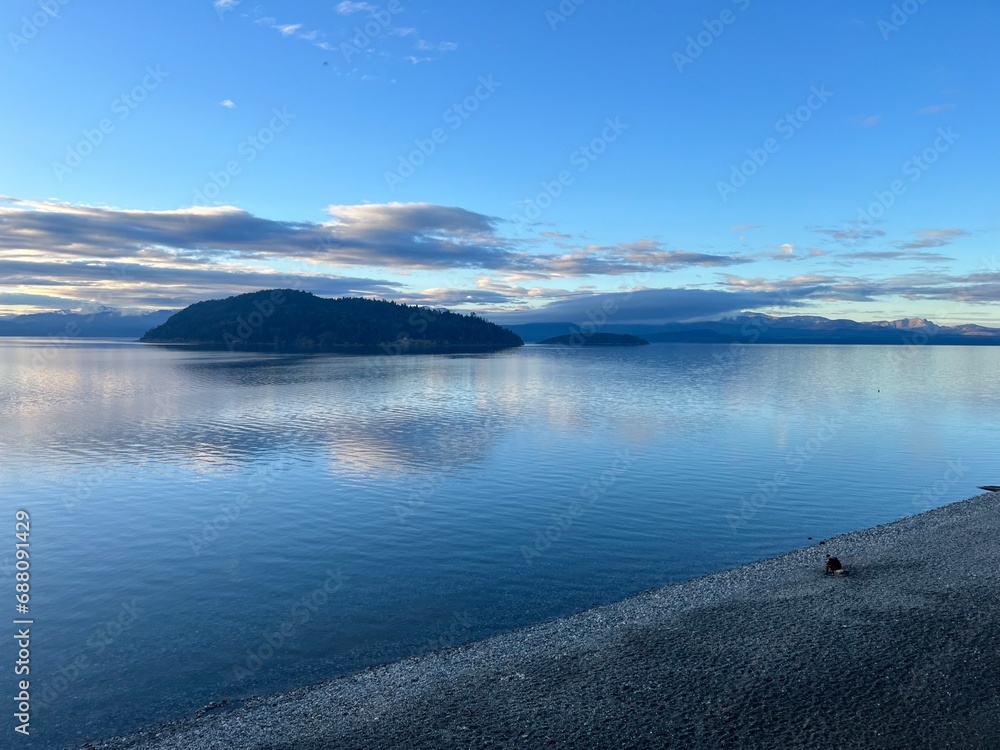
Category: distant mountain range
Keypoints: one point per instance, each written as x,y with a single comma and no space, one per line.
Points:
756,328
743,328
103,322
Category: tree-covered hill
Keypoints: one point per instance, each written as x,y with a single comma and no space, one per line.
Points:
290,320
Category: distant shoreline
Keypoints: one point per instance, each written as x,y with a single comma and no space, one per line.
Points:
775,654
384,350
61,339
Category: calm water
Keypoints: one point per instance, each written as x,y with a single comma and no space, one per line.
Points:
189,507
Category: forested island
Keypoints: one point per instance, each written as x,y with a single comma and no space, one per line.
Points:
596,339
287,320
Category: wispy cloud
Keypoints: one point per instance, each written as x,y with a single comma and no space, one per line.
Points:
424,45
787,252
347,7
227,103
976,288
378,40
759,284
397,236
294,30
868,121
849,234
932,238
141,284
170,258
894,255
651,254
934,109
285,29
650,306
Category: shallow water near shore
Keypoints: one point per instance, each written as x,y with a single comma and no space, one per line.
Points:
208,525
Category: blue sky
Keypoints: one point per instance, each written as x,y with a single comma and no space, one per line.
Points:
838,160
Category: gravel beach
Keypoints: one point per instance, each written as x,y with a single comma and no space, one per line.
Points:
903,652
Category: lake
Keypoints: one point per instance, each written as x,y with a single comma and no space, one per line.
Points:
208,525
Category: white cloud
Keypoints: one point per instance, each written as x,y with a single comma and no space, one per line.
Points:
935,109
400,236
346,7
423,44
314,37
933,238
651,306
228,103
170,258
850,234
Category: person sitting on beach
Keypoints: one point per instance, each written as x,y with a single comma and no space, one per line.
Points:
833,565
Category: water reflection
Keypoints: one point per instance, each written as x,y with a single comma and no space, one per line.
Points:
210,411
423,477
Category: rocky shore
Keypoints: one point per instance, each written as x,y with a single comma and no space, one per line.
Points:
902,652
